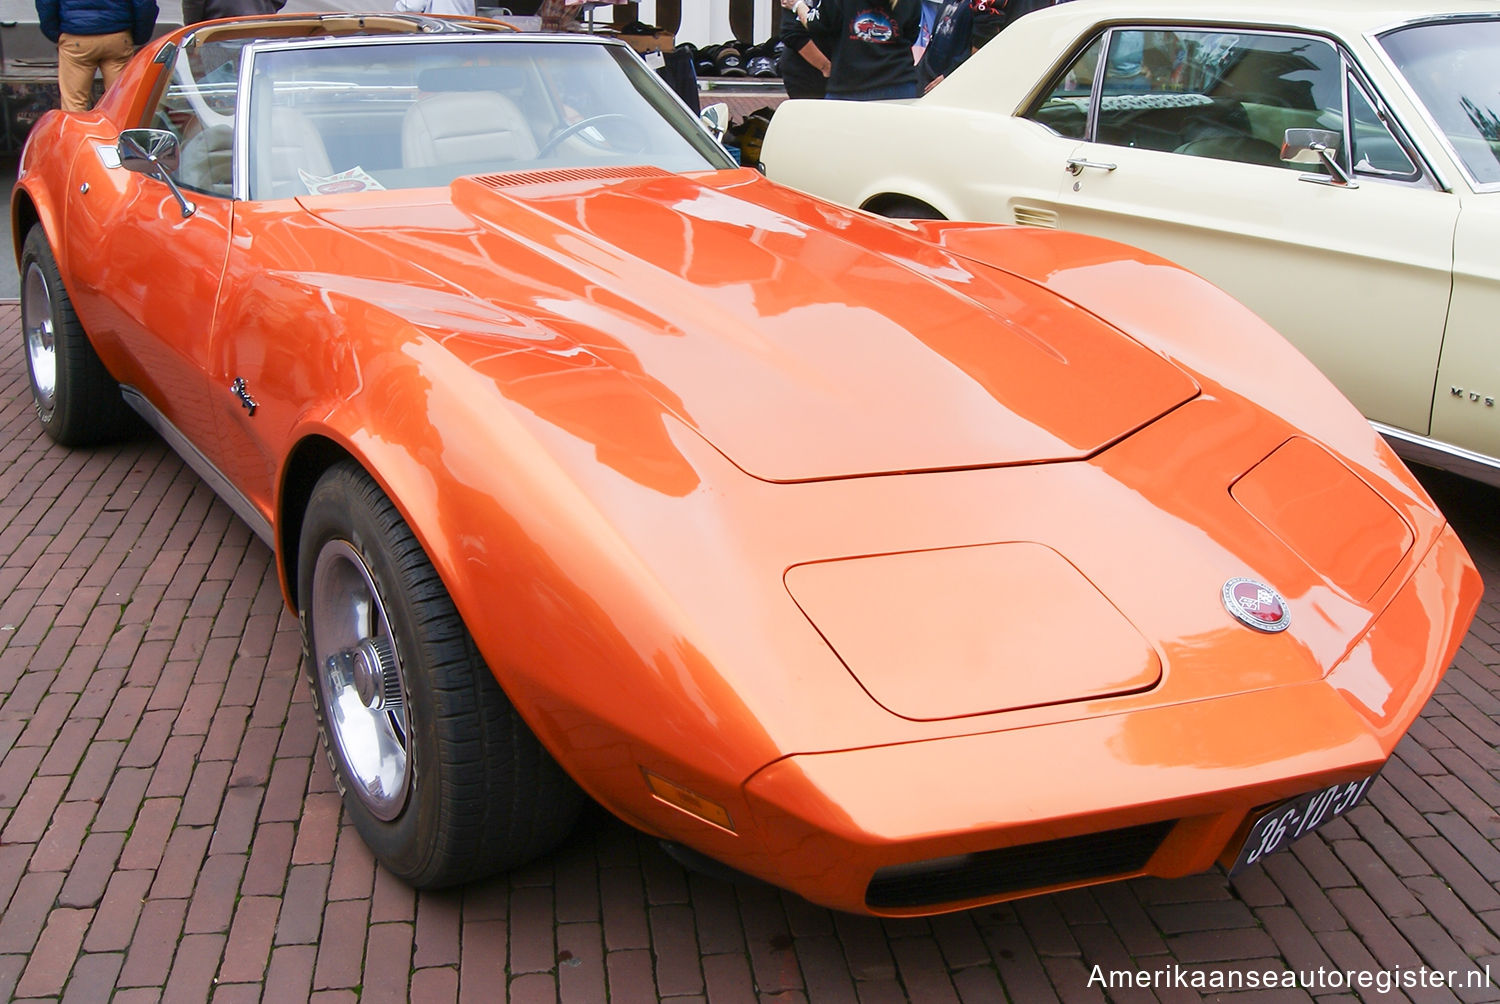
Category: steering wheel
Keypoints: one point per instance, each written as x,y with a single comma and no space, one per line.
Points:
635,131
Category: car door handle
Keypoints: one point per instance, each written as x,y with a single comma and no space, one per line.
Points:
1077,164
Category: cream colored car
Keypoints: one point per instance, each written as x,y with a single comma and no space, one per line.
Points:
1335,165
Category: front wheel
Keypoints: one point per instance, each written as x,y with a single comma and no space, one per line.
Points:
77,402
440,775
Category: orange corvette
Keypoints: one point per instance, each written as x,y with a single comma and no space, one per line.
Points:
908,566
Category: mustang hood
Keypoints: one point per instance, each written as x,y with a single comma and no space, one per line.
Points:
776,329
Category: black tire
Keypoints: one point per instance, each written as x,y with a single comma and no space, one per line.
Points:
900,208
78,402
481,795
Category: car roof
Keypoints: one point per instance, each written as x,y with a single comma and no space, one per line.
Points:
1335,16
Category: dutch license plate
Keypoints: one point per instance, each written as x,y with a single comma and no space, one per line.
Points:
1299,816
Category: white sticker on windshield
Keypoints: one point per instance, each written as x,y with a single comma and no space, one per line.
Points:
356,179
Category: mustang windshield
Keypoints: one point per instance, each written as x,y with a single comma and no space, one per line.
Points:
329,119
1454,68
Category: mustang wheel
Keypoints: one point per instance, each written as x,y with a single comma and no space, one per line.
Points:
439,773
76,399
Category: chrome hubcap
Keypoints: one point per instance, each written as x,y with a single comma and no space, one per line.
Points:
41,343
359,678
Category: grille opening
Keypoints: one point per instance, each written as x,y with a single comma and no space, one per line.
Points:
1013,869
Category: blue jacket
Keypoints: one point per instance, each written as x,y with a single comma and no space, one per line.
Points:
97,17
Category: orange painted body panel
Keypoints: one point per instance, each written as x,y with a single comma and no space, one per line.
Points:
624,417
905,625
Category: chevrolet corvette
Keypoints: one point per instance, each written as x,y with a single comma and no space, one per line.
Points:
908,566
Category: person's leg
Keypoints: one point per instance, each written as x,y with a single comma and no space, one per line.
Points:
114,52
75,72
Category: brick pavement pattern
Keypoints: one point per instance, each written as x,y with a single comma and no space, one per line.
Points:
169,829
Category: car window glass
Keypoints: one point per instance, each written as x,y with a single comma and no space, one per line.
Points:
1454,68
334,119
1065,107
1376,151
198,106
1223,95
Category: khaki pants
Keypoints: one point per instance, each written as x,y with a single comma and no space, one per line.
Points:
77,58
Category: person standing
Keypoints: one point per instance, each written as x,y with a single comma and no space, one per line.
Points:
873,58
804,67
959,28
464,8
194,11
93,35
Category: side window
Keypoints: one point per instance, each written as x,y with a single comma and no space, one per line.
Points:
1065,107
1376,151
1224,95
198,105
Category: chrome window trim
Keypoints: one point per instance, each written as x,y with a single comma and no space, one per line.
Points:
1427,176
1096,86
1374,39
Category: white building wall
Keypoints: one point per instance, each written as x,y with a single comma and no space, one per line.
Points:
705,22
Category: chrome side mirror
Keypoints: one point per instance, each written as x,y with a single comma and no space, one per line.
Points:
1317,146
153,152
715,119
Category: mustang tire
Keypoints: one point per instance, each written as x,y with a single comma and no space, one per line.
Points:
440,775
77,401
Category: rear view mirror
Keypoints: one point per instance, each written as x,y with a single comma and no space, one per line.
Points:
145,150
153,152
1320,148
1305,146
715,119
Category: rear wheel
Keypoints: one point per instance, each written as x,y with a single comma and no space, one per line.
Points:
77,401
440,775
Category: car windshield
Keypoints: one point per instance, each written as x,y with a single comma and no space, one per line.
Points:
1454,68
349,117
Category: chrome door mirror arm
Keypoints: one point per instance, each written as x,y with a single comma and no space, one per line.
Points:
153,152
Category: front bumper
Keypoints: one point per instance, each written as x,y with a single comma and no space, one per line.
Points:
1167,791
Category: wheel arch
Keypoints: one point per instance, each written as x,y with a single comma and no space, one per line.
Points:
39,194
23,216
313,455
882,202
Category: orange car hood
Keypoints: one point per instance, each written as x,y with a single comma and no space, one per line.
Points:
779,328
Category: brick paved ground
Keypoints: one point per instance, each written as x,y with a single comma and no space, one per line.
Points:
166,831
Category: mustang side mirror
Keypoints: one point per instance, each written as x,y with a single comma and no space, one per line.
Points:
153,152
1317,146
715,119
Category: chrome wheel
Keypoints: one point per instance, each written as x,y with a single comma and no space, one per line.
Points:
41,341
359,676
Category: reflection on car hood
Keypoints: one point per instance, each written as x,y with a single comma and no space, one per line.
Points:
803,341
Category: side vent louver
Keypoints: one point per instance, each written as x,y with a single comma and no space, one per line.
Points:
1030,216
